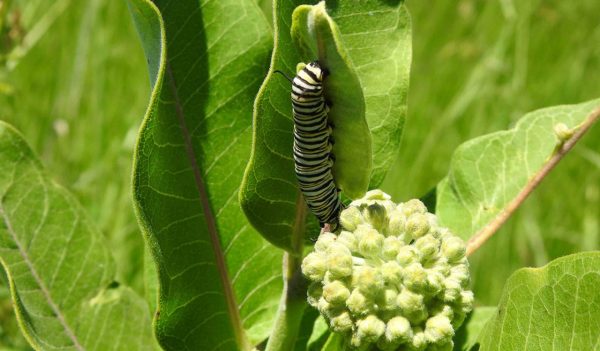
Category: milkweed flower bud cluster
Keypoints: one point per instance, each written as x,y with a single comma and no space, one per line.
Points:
390,278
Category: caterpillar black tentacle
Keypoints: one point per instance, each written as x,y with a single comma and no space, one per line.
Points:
313,141
283,74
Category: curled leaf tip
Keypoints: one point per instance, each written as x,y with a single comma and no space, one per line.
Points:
316,36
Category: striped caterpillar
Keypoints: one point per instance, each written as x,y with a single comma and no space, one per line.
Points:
313,159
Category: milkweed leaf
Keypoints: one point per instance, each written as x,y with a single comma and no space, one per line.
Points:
314,30
269,195
59,269
489,174
555,307
219,281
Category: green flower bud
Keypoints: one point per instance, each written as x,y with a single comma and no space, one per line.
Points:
440,266
362,230
452,290
460,273
406,239
336,293
398,330
377,216
391,247
372,196
428,245
466,300
436,231
350,218
338,248
314,266
443,233
348,239
358,303
391,279
442,309
434,283
453,248
408,254
438,329
327,309
415,277
391,273
389,206
315,291
432,220
370,328
341,323
419,340
417,225
324,241
388,299
370,243
339,261
413,206
358,343
396,223
409,301
367,279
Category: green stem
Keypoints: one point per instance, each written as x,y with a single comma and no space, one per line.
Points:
291,308
293,300
563,148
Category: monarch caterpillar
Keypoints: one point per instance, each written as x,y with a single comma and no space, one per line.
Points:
313,159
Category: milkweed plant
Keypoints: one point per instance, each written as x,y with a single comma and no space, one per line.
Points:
391,277
258,187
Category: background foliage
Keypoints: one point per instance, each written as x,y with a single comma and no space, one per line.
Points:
477,67
79,88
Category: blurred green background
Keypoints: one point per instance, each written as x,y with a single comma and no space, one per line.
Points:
73,80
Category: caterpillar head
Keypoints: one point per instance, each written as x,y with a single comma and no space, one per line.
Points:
320,72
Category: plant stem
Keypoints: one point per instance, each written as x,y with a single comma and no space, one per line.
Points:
293,300
562,149
291,308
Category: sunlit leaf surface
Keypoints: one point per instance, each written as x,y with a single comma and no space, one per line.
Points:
219,281
555,307
60,271
487,173
376,37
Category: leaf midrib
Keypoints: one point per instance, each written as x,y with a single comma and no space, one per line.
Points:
61,318
208,213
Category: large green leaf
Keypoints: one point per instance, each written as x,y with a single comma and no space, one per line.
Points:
75,116
376,37
60,272
490,176
219,280
556,307
317,36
